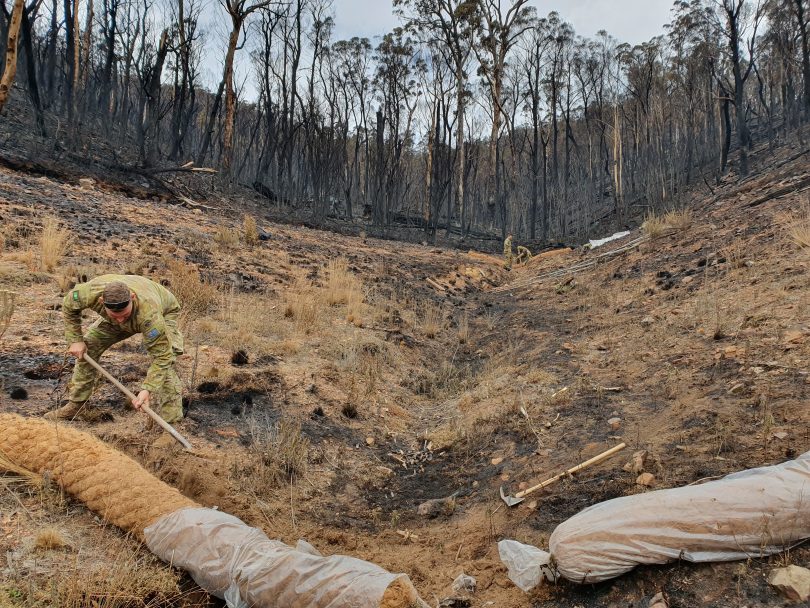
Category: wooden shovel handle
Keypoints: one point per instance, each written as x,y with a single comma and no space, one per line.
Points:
168,427
596,459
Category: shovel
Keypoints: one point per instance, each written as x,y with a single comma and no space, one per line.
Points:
168,427
518,498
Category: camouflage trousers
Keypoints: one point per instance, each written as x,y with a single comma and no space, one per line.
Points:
102,334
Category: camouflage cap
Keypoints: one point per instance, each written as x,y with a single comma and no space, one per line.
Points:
116,295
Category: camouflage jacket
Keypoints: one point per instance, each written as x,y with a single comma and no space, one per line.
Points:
153,305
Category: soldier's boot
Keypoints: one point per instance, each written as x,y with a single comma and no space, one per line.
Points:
70,411
78,410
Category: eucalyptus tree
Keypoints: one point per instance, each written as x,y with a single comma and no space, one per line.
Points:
450,22
498,31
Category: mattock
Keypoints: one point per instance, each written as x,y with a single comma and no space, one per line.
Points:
518,498
168,427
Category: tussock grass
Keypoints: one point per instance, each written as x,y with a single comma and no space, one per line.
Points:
431,320
53,244
50,538
250,232
799,229
341,285
282,450
126,579
464,329
654,225
302,304
679,219
195,296
227,238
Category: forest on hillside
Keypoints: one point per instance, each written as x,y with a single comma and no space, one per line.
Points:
474,117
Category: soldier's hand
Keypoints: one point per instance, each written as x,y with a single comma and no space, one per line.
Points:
141,400
77,349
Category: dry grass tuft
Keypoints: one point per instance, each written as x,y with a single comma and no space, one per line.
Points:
302,304
679,219
53,243
227,238
283,452
654,225
464,329
342,287
127,579
799,229
195,296
432,320
50,538
250,231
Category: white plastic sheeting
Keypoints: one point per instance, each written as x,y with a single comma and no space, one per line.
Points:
748,514
241,565
594,243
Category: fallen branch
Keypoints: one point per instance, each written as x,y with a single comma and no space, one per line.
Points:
779,192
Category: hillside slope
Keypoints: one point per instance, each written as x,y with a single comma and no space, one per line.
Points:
337,383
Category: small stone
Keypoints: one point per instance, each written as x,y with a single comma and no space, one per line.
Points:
737,389
505,477
646,479
87,183
647,321
638,463
475,484
780,435
615,423
547,425
532,505
385,471
523,485
497,460
464,582
369,441
793,582
687,280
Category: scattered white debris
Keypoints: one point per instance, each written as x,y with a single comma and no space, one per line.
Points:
594,243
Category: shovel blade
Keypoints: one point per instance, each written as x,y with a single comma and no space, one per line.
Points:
510,501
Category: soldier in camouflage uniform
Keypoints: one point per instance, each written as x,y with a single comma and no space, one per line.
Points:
127,305
507,252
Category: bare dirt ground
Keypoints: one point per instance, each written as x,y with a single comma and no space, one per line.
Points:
329,400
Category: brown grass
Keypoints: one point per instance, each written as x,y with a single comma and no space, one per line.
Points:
282,450
302,304
654,225
799,230
250,231
432,320
195,296
53,244
227,238
342,287
464,329
126,579
679,219
50,538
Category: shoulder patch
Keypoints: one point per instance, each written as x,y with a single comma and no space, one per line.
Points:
152,333
75,295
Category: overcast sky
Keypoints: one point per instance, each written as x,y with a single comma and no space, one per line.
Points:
630,21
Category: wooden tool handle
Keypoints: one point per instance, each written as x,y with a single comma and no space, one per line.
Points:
596,459
168,427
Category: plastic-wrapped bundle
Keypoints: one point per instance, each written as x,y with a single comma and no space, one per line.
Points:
752,513
239,564
225,556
